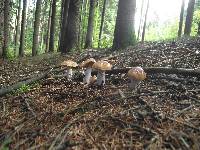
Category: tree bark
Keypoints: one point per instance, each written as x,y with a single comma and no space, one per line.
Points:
145,22
181,18
52,28
18,26
71,34
124,34
48,28
102,22
36,28
88,41
64,24
23,25
6,27
1,28
189,17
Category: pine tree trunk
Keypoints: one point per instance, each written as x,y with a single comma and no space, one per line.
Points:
83,20
48,28
1,28
36,28
145,22
189,17
181,18
6,27
18,26
44,23
124,34
52,28
64,25
102,22
71,38
88,41
23,25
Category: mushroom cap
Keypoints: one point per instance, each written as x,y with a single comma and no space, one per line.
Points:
102,65
137,73
88,63
69,63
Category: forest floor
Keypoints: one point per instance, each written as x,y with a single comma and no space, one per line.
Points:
54,113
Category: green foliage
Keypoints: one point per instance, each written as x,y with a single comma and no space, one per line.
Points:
10,53
155,32
23,88
5,144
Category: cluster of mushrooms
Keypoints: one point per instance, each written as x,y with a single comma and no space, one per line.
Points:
135,74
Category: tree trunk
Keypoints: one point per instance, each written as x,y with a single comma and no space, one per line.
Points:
48,28
181,18
71,34
141,15
1,28
124,34
83,20
36,28
64,24
102,22
88,41
189,17
145,22
18,26
52,29
44,23
6,27
60,25
23,25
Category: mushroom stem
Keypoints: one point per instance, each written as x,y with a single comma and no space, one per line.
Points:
133,84
86,79
69,73
101,78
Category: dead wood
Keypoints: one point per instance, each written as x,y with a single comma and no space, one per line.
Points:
13,87
154,70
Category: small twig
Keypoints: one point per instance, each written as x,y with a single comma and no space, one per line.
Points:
184,123
183,111
29,108
62,131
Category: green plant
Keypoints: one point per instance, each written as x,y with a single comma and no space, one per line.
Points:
24,88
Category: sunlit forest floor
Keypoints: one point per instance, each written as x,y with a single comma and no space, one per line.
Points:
54,113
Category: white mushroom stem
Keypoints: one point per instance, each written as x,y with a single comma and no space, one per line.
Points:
133,84
86,79
69,73
101,78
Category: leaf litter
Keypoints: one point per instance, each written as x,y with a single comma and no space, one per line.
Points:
163,113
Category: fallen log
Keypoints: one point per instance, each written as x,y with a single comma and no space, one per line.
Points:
154,70
13,87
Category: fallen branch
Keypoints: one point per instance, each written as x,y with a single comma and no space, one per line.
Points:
153,70
11,88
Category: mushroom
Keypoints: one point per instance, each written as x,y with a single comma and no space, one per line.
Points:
88,65
101,67
93,79
69,64
136,74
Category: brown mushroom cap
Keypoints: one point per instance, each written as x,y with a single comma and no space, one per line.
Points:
137,73
88,63
102,65
69,63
